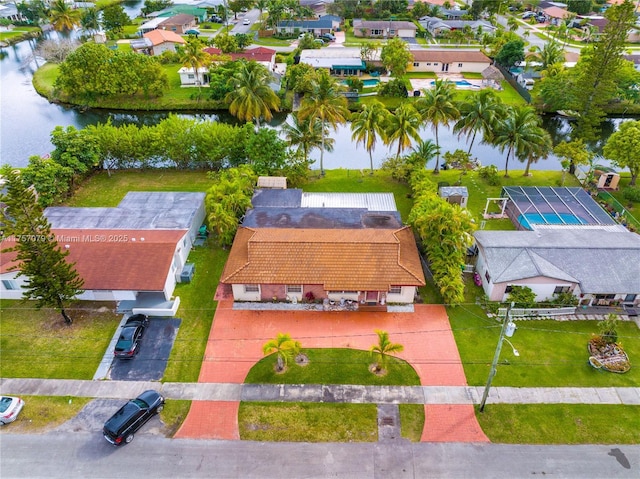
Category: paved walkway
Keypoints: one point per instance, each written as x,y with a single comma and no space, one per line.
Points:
225,392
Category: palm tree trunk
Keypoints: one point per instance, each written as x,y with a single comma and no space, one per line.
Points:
506,165
526,170
398,153
436,170
473,138
371,161
322,151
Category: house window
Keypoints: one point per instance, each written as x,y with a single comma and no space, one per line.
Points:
395,290
605,296
630,298
10,284
343,292
294,288
251,288
191,76
392,32
508,289
459,65
561,289
416,64
376,32
487,277
428,64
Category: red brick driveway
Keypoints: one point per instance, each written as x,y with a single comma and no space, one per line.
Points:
236,340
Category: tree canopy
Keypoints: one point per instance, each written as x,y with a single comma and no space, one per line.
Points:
623,148
395,56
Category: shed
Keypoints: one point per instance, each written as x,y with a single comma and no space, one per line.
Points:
606,178
456,195
273,182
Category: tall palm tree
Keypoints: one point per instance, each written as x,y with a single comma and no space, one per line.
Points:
193,56
478,113
438,107
284,347
63,17
325,103
539,145
516,133
252,97
384,349
402,127
306,135
551,53
90,20
367,125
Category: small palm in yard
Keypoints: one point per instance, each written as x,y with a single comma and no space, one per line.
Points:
285,349
383,350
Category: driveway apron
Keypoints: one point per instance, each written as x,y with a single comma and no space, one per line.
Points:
237,336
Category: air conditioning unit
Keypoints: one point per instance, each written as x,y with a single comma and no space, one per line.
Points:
187,273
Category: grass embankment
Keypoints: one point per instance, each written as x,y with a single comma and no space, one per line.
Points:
18,34
43,413
326,422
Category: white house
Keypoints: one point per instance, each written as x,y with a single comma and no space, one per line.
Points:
449,61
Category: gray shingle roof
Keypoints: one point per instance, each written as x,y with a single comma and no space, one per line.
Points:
600,261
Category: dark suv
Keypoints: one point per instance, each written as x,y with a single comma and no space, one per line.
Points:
120,428
129,340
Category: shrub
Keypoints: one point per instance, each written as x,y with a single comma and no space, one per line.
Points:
355,83
632,193
522,296
490,175
563,299
393,88
608,329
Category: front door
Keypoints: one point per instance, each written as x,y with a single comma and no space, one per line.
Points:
372,297
445,67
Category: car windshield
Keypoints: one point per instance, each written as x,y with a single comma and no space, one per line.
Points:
140,403
5,402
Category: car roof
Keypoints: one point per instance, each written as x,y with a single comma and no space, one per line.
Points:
115,422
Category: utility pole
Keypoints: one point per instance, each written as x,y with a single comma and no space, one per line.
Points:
508,331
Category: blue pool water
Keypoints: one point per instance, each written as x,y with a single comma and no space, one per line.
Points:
458,82
367,82
549,218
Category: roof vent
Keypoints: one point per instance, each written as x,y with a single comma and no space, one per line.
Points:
133,239
67,246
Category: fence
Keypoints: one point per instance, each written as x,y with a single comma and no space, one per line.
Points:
536,312
626,218
524,93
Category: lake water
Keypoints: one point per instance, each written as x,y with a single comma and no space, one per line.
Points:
27,119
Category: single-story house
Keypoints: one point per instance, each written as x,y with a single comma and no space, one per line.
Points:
598,267
557,15
449,61
449,14
383,29
318,7
10,12
178,23
150,25
262,55
294,245
199,13
324,24
436,26
161,41
138,248
339,61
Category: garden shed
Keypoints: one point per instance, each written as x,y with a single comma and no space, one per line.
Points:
606,178
456,195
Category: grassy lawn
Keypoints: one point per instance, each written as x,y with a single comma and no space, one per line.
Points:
552,353
334,366
308,422
43,413
561,424
16,32
173,414
37,344
326,422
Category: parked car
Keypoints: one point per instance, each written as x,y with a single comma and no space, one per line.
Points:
328,36
319,41
129,341
541,18
246,21
10,407
121,427
528,14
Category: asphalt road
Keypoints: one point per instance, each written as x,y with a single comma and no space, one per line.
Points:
88,455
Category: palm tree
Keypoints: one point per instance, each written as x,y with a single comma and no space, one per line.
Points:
193,56
90,20
424,151
516,133
438,107
550,54
383,349
367,124
252,97
306,135
325,103
63,17
478,113
402,127
539,146
284,347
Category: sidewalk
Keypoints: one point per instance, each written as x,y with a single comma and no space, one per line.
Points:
317,393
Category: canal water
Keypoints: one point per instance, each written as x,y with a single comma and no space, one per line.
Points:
27,119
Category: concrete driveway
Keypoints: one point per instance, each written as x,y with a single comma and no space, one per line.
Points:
237,336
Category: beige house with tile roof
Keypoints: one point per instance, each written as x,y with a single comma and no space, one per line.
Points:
369,266
449,61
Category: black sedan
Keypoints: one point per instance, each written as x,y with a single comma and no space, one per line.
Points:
121,427
129,341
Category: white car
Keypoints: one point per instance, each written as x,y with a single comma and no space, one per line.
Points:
246,22
10,407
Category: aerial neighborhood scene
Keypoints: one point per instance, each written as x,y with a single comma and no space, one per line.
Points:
320,238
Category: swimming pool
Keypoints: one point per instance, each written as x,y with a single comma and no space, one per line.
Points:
458,83
528,219
368,82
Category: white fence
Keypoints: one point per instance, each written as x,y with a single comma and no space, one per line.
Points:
536,312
